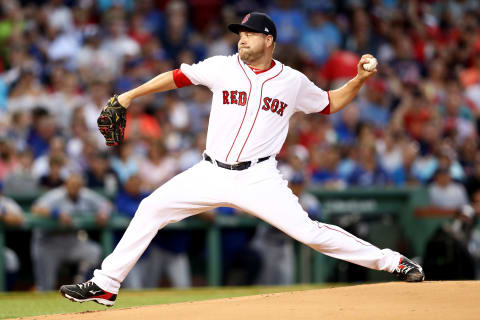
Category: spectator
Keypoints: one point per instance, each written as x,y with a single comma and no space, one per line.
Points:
241,262
320,37
43,130
289,21
324,168
126,202
99,93
8,163
458,118
118,43
94,61
389,150
153,19
10,214
445,193
100,175
405,173
194,154
22,180
453,251
53,179
346,126
374,108
125,163
78,138
158,167
177,32
19,128
27,93
56,148
360,40
199,108
141,125
368,171
472,183
52,248
66,96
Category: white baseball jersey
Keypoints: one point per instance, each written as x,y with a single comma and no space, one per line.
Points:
250,112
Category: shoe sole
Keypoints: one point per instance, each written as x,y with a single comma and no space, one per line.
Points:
417,279
103,302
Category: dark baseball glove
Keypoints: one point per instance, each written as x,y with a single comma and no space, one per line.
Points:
112,121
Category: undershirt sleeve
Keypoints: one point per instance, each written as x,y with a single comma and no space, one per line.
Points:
181,79
327,108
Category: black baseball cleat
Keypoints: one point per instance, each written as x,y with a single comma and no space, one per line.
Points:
88,291
409,271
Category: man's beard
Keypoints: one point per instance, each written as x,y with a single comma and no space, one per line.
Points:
248,56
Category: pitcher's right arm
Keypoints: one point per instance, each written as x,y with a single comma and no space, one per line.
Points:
163,82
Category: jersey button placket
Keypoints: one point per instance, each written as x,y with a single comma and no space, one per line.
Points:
249,119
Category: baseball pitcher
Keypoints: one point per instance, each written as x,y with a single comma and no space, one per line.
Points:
254,97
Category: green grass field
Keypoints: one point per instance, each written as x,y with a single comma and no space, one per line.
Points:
22,304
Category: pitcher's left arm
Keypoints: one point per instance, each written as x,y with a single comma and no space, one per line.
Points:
341,97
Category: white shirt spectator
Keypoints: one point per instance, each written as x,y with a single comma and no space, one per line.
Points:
91,112
120,47
64,47
452,196
61,18
97,61
154,175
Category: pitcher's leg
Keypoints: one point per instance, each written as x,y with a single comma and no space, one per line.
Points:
270,199
186,194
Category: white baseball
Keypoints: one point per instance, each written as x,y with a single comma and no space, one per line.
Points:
370,65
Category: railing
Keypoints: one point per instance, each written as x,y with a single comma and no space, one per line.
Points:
361,201
119,222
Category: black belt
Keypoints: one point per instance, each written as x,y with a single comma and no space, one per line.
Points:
239,166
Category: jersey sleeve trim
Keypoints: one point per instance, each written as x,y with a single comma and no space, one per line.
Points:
327,110
181,79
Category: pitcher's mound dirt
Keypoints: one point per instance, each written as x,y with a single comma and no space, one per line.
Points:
394,300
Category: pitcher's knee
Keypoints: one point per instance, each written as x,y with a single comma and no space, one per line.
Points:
150,207
313,235
307,238
154,212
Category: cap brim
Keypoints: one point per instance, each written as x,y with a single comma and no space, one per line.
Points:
236,28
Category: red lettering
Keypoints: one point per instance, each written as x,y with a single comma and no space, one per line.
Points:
233,97
225,97
283,105
242,98
274,105
266,102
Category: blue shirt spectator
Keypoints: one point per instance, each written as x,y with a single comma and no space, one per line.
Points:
319,38
362,177
289,22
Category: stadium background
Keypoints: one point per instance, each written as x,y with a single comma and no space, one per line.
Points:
414,124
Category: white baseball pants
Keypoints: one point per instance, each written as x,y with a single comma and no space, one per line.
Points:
259,190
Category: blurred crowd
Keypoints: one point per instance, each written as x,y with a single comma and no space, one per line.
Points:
415,123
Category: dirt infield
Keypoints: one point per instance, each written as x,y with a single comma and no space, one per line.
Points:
393,300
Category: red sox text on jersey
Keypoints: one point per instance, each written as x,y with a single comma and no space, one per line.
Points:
240,98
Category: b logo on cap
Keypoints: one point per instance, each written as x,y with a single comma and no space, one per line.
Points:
246,18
